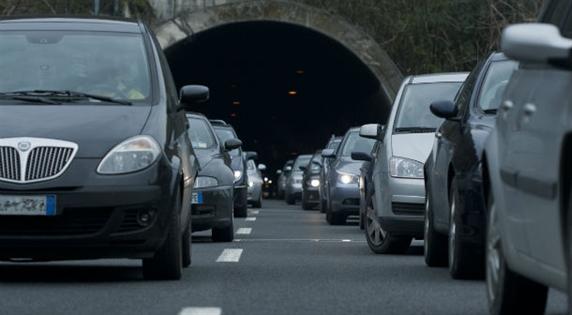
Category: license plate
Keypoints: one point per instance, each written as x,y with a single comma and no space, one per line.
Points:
28,205
197,198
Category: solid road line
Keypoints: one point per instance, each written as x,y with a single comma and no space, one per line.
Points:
244,231
230,255
201,311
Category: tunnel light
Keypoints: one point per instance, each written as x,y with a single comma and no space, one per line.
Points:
292,92
232,115
299,71
236,103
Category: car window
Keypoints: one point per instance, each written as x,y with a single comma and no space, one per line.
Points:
495,83
226,134
334,144
302,160
463,97
316,162
567,27
355,143
251,165
556,12
414,109
103,63
200,134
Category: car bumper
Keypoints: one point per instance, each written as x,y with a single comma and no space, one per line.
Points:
254,192
345,198
311,195
214,210
403,211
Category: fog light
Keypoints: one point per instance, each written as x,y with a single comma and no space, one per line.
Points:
145,217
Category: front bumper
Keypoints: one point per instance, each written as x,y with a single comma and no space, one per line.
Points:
345,198
311,195
403,212
215,210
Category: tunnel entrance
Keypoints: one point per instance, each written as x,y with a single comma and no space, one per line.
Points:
285,88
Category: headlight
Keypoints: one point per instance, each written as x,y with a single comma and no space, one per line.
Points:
315,183
250,183
133,154
205,181
346,178
405,168
237,175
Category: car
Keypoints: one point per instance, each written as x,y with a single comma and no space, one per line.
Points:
110,172
255,180
283,177
333,144
293,189
311,182
342,188
365,181
454,229
212,200
226,132
527,169
397,214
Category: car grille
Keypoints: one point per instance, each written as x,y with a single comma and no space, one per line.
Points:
26,160
408,208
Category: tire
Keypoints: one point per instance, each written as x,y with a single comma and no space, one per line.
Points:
507,291
258,204
362,221
307,206
167,263
223,235
290,199
568,247
380,241
187,246
435,244
323,205
337,218
463,259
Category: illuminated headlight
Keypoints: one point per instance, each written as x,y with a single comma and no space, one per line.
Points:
132,155
315,183
347,178
405,168
250,183
205,181
237,175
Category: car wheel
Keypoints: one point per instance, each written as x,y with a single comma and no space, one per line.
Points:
241,211
187,246
337,218
507,291
167,263
323,205
435,244
306,206
225,234
380,241
464,261
290,199
568,247
361,220
258,204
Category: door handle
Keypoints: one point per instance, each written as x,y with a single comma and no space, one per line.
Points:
438,135
529,109
507,105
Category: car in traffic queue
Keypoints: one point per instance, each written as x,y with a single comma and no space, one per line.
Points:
332,144
212,200
293,190
365,183
255,180
341,184
283,177
311,182
109,174
399,189
226,132
455,217
527,169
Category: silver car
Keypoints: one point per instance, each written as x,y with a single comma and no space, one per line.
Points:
399,191
293,189
255,182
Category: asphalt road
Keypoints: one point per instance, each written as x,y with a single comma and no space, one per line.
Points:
289,262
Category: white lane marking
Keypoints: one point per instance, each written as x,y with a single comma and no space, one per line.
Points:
244,231
254,211
346,241
230,255
251,219
313,240
201,311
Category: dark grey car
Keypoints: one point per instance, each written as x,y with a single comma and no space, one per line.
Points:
212,202
333,145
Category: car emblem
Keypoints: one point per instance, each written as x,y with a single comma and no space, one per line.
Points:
24,146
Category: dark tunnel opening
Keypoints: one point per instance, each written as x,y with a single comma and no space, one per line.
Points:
285,88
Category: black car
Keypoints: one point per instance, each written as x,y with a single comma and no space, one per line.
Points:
333,144
226,132
455,208
365,182
95,158
212,202
311,182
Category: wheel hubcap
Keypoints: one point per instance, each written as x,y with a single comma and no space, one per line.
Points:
494,255
452,233
375,233
426,228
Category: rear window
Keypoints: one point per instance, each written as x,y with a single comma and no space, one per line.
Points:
200,134
302,160
226,134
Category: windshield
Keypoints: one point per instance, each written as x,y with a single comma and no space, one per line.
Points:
316,162
495,83
302,160
355,143
414,112
225,134
200,134
334,144
99,63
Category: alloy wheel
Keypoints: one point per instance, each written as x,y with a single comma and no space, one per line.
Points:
494,255
374,231
426,228
452,232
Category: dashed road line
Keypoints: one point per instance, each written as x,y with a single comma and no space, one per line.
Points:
244,231
254,211
201,311
250,219
313,240
230,255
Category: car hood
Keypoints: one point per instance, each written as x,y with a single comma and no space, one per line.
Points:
96,129
416,146
348,166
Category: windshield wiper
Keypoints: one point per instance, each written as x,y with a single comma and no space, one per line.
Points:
66,94
29,99
415,129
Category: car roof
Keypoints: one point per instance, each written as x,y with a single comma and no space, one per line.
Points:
218,122
497,56
438,77
195,115
304,156
71,24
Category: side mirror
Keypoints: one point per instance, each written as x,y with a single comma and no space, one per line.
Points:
279,172
232,144
362,156
193,94
251,155
288,168
328,153
444,109
372,131
261,167
536,43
